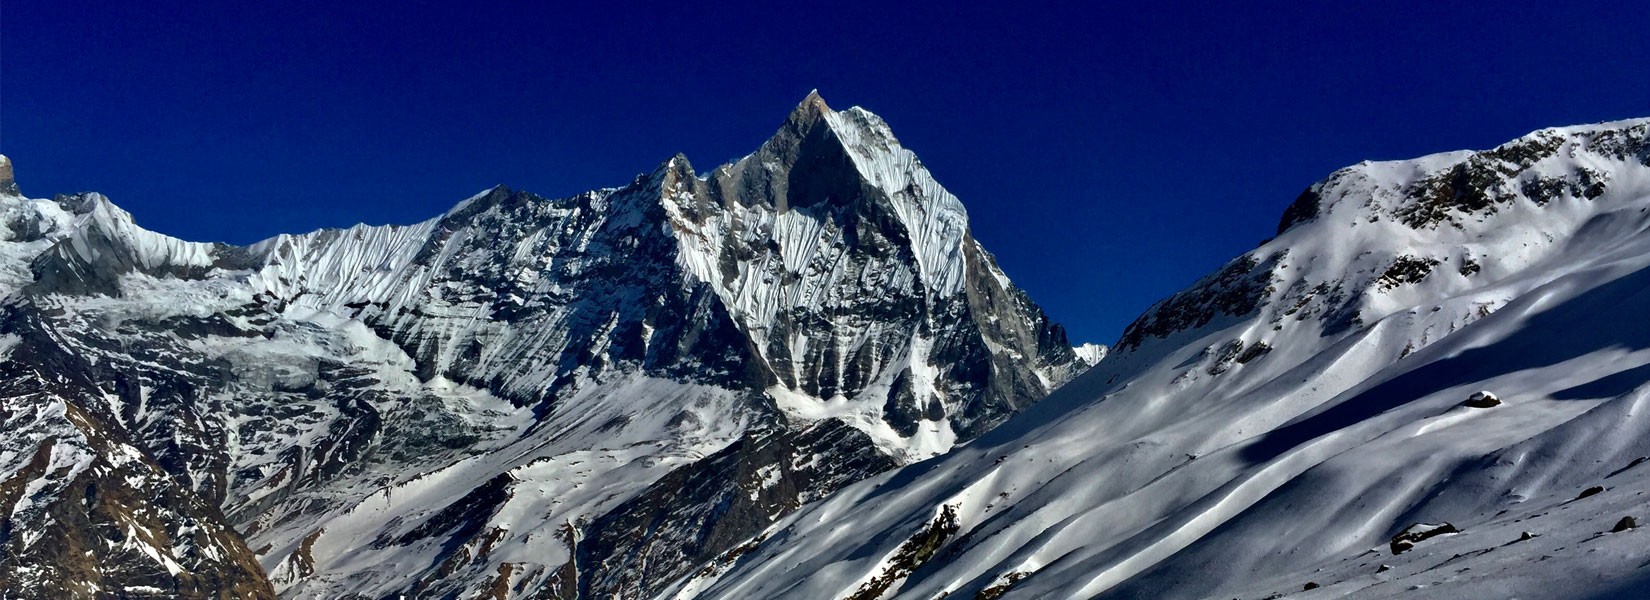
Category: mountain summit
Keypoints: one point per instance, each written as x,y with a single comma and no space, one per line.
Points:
588,396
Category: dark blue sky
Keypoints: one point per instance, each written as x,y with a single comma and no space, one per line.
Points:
1109,154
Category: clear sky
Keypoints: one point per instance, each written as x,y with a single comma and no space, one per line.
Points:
1109,153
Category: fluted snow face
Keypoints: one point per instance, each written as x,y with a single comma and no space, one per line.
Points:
935,219
331,268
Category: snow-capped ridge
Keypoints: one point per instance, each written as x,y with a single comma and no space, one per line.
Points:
465,203
103,243
1439,188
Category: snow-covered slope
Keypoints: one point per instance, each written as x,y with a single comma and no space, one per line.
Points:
524,397
1272,429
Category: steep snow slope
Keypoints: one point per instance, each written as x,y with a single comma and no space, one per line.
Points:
526,397
1279,422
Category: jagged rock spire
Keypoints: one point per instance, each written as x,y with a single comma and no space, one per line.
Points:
8,182
809,110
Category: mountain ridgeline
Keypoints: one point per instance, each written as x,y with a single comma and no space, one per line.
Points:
522,398
799,376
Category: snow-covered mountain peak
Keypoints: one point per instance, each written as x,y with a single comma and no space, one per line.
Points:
839,168
628,367
832,220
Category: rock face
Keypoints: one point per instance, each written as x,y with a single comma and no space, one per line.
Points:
8,182
634,548
90,514
524,397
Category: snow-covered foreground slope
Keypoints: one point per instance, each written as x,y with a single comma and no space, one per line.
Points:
524,397
1272,428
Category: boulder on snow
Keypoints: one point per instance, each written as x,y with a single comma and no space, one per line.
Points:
1414,534
1482,400
1597,489
1624,524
